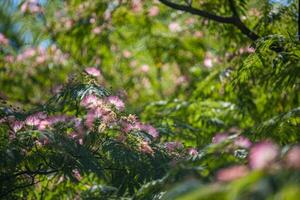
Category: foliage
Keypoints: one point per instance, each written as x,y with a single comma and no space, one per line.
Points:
217,80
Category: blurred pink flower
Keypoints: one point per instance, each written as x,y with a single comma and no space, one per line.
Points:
293,157
181,79
172,146
192,151
126,53
145,68
174,27
150,130
243,142
117,102
35,119
91,101
145,148
77,174
93,71
219,137
199,34
9,58
262,155
3,40
232,173
92,20
136,5
208,62
153,11
97,30
17,125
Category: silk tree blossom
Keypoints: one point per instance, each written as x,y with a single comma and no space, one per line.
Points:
127,54
153,11
262,155
242,142
35,119
3,40
117,102
192,152
219,137
150,130
49,121
31,6
174,27
145,68
293,157
232,173
145,148
91,101
93,71
173,146
97,30
17,125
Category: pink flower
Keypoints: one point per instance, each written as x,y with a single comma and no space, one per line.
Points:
3,40
91,101
231,173
126,53
145,68
242,142
208,62
17,125
219,137
262,155
192,151
181,79
172,146
77,174
293,157
117,102
97,30
153,11
150,130
92,115
35,119
93,71
145,148
174,27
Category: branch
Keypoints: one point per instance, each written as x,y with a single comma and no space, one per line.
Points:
234,20
195,11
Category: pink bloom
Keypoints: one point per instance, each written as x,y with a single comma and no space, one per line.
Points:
231,173
181,79
198,34
150,130
174,27
97,30
9,58
153,11
77,174
172,146
126,53
117,102
17,125
192,151
92,20
145,148
145,68
242,142
136,6
3,40
92,115
35,119
293,157
93,71
262,155
219,137
91,101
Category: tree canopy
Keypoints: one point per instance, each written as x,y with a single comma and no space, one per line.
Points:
149,99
